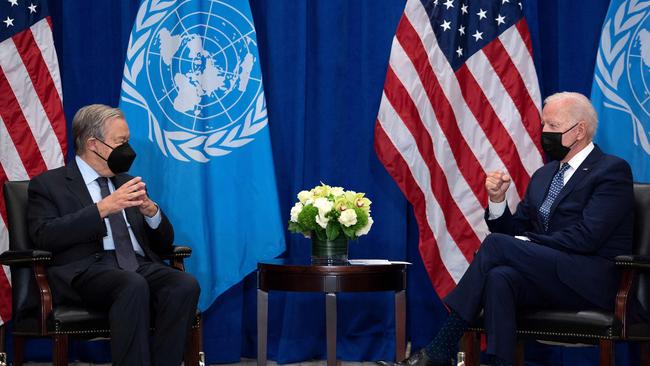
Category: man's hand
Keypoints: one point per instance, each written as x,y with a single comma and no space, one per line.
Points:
148,207
130,194
497,184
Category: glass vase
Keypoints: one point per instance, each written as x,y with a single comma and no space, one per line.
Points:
326,252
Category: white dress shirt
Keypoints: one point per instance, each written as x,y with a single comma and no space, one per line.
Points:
495,210
90,178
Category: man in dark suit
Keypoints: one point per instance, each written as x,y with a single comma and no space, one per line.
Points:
104,233
557,249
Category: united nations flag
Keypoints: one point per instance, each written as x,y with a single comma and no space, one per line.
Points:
621,88
193,96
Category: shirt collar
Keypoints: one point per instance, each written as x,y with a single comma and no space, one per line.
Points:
581,156
87,172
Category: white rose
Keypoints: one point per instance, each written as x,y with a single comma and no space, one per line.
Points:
304,196
348,218
322,221
295,210
336,191
364,230
323,205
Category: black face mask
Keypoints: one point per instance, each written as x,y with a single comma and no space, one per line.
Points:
120,159
552,144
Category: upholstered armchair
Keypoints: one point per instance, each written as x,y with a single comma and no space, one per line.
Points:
34,314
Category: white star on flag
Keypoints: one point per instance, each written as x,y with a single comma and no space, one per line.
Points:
32,8
446,25
500,19
9,22
478,35
461,30
481,14
459,51
463,9
13,2
449,4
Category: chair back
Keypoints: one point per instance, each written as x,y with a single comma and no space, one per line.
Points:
23,285
642,239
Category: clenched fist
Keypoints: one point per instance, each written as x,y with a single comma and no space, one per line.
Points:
497,184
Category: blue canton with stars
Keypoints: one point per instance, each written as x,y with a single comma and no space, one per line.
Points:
18,15
463,27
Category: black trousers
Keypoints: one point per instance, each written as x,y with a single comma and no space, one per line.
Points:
155,292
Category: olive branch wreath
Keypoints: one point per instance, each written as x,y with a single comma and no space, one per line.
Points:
612,52
198,147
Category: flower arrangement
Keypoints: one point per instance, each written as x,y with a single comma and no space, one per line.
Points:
328,212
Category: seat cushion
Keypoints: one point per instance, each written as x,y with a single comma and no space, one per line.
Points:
78,320
565,326
598,324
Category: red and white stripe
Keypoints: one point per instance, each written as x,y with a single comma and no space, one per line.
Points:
32,123
439,133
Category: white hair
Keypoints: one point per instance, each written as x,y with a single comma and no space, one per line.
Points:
578,108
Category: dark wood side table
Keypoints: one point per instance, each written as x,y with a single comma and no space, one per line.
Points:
291,275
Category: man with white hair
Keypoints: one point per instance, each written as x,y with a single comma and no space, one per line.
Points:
106,236
557,249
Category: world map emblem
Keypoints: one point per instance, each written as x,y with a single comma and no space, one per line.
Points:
195,70
623,66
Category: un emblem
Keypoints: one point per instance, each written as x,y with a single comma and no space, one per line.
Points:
196,72
625,51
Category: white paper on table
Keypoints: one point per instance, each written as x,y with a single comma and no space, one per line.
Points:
371,262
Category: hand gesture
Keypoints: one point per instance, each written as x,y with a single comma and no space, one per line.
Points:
130,194
497,184
148,207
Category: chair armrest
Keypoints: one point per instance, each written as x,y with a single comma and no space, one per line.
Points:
177,252
641,262
181,252
24,257
176,256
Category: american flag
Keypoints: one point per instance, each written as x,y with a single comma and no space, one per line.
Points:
32,124
460,99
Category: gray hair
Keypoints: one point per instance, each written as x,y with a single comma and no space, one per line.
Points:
89,122
579,108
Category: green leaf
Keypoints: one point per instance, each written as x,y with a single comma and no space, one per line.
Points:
332,230
320,233
295,227
349,232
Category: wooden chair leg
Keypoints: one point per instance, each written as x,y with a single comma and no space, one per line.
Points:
471,346
60,351
644,353
606,350
194,346
19,349
3,353
519,353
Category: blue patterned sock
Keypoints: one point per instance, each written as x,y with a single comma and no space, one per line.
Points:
443,346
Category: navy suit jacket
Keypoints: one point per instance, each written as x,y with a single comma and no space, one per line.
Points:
591,222
63,219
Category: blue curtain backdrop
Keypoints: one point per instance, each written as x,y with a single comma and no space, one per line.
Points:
324,63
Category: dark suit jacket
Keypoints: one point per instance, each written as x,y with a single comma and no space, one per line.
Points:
591,222
63,219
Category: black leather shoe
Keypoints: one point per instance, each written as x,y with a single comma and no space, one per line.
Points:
417,359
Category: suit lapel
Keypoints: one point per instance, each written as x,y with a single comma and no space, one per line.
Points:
77,185
583,170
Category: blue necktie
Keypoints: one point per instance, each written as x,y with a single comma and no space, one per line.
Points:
123,246
556,186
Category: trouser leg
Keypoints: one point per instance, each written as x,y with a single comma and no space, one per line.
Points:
174,296
125,295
